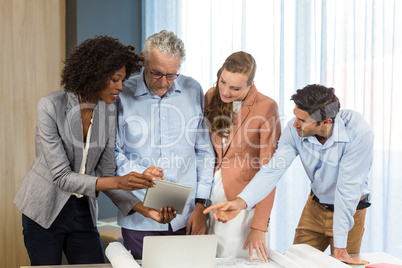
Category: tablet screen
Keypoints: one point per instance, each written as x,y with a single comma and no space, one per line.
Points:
167,194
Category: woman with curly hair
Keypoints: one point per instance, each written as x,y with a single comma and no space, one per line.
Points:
74,157
244,129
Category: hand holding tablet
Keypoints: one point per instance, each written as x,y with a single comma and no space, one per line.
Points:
167,194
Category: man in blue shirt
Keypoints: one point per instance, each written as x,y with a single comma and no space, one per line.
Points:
160,123
336,150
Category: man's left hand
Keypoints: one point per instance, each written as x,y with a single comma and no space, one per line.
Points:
197,222
154,172
342,255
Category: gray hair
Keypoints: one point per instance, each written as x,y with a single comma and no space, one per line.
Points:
167,43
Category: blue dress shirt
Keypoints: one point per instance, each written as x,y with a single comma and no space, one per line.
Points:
169,133
338,169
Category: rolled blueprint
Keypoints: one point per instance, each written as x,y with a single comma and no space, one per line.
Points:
315,256
119,256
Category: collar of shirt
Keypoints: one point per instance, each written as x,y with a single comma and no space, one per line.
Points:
142,88
339,134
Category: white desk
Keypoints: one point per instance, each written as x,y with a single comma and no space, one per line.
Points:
376,258
220,263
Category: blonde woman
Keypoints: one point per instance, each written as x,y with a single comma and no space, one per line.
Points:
244,129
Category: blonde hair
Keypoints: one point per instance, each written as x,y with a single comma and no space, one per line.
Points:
219,114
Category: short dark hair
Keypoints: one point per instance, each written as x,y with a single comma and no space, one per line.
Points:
319,101
94,61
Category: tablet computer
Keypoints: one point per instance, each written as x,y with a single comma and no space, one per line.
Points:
167,194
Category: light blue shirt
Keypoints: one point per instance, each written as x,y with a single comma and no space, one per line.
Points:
338,169
169,133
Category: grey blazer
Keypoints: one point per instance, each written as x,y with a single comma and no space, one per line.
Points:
54,174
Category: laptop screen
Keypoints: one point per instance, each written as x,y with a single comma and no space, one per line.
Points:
181,251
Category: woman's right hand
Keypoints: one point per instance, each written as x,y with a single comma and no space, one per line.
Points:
134,181
164,215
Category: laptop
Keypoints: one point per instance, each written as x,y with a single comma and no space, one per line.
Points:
179,251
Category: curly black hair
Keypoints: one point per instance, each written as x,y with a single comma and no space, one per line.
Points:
93,62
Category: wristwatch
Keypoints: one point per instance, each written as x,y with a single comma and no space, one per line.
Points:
205,202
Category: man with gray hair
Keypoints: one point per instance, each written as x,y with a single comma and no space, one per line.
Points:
161,131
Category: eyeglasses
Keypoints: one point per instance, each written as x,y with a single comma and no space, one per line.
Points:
158,75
